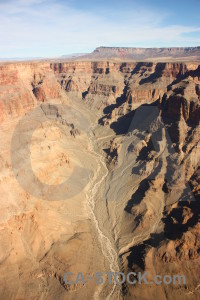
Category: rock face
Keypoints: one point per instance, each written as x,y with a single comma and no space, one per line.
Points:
146,117
23,84
45,87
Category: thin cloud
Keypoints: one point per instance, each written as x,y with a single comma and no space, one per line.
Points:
48,28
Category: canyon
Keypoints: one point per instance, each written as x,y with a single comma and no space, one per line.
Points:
99,172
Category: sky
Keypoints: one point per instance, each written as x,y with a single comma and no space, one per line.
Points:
41,28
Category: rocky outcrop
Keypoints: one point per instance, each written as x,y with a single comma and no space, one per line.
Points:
23,84
47,88
182,101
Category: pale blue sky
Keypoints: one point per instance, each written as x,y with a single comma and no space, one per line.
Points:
35,28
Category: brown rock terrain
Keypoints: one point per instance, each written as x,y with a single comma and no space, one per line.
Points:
130,130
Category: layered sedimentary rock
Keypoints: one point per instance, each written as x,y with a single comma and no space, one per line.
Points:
144,118
19,83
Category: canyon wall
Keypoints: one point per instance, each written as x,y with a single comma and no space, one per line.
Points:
22,83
